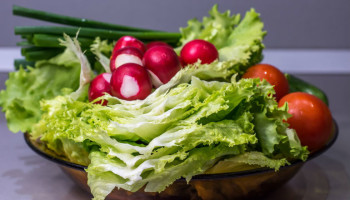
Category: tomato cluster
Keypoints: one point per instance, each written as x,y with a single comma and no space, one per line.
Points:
311,117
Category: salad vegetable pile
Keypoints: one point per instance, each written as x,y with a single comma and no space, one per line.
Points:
142,108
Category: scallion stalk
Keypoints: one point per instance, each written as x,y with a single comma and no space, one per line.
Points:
94,32
44,40
73,21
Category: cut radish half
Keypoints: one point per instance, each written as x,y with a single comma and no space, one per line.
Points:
129,86
99,86
163,62
130,82
155,80
125,55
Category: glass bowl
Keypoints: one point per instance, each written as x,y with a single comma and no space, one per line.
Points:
247,184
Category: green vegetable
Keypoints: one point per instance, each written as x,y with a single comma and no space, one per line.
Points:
61,19
94,32
298,85
228,33
26,88
42,40
100,49
22,63
25,44
216,28
48,36
180,133
252,27
204,118
35,53
182,129
245,161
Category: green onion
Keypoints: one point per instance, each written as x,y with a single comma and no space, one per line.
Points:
73,21
24,43
35,55
43,40
94,32
32,49
23,63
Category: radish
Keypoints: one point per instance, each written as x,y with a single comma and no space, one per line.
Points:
156,43
127,41
125,55
130,82
162,63
199,49
99,86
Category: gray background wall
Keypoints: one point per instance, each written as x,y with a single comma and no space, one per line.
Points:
290,23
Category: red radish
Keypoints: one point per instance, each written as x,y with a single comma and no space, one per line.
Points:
127,41
99,86
156,43
130,82
125,55
162,63
199,49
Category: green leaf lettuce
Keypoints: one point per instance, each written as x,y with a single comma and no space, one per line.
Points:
26,88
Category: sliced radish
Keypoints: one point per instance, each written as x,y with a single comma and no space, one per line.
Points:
199,50
155,80
99,86
156,43
125,55
162,62
130,82
129,41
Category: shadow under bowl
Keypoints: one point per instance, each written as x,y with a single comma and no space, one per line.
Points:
248,184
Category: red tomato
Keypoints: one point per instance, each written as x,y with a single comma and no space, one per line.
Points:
312,119
272,75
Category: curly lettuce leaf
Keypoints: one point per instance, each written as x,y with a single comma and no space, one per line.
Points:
247,161
236,40
202,119
26,88
215,28
100,48
273,134
245,42
177,133
57,76
86,73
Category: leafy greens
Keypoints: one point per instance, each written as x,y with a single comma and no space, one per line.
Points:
203,120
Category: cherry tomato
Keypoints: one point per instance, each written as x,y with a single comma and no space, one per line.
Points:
272,75
311,119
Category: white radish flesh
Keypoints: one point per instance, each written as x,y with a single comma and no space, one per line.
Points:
129,87
125,55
